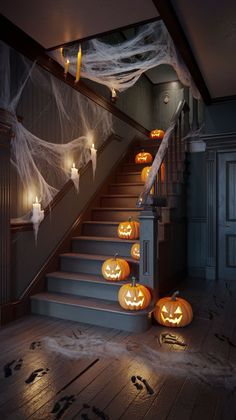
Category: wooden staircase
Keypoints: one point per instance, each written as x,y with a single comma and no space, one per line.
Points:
78,291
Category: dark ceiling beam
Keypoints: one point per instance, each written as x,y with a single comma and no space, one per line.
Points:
27,46
175,30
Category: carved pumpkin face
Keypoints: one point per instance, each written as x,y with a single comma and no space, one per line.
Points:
128,230
173,312
134,296
143,157
135,251
115,269
157,134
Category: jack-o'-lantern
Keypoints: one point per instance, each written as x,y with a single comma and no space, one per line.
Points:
143,157
145,172
135,251
115,269
128,230
173,311
157,134
134,296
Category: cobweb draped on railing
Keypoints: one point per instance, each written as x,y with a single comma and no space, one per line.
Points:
58,129
119,66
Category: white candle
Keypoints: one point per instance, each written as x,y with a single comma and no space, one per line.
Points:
93,158
36,207
74,172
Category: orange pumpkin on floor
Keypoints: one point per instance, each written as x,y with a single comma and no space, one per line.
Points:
173,311
157,134
143,157
135,251
128,230
134,296
115,269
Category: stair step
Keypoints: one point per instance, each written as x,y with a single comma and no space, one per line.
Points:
128,177
133,167
91,263
102,245
119,200
89,310
126,188
100,228
82,284
114,214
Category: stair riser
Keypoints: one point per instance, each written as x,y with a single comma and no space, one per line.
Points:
101,248
128,178
123,321
99,230
80,288
125,189
80,265
118,201
133,167
116,215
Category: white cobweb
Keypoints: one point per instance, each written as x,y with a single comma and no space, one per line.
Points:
119,66
44,164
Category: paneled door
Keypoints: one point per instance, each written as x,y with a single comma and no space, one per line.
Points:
227,216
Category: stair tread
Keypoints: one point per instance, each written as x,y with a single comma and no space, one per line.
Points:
86,302
122,184
85,278
119,195
117,208
104,239
95,257
101,222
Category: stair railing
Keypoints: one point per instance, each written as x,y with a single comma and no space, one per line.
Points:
167,169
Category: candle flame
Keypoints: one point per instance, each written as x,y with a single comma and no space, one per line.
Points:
73,166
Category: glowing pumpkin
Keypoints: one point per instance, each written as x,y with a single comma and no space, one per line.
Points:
145,172
173,311
134,296
128,230
157,134
115,269
143,157
135,251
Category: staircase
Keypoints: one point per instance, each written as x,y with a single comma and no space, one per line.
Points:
78,291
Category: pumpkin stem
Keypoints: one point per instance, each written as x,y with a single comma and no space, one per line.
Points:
133,281
173,297
130,219
116,255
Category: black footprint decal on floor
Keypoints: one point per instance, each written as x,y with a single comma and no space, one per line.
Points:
38,373
223,337
139,386
35,344
171,339
13,365
95,410
62,405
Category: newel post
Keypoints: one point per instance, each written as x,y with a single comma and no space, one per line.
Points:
148,266
5,144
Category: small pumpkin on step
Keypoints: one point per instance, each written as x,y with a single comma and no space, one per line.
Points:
135,251
143,157
173,311
128,229
115,269
156,134
134,296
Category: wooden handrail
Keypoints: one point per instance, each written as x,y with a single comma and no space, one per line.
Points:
145,198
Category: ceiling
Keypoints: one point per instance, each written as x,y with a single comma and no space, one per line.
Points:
209,25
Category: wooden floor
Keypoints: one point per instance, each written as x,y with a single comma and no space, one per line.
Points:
38,383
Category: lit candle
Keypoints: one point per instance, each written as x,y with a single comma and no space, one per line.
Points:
74,172
113,95
67,64
79,59
36,207
93,158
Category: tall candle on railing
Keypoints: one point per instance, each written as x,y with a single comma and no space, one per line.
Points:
66,69
93,158
36,207
79,59
75,176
